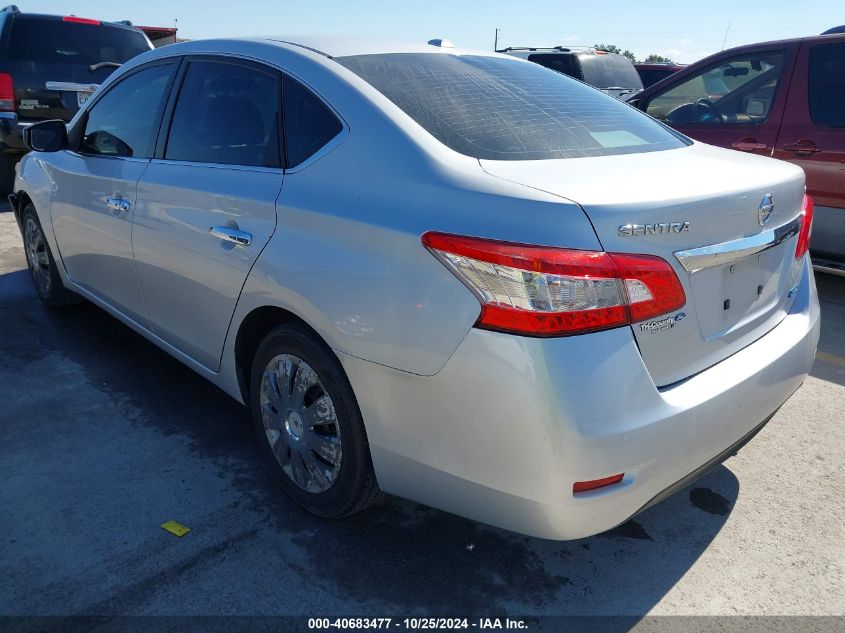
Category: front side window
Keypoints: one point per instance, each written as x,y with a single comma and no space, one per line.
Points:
737,91
506,109
227,114
124,121
827,84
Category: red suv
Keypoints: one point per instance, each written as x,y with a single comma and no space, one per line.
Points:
784,99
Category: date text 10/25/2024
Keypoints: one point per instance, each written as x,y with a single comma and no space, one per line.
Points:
417,623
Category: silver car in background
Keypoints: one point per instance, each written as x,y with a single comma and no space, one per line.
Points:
453,276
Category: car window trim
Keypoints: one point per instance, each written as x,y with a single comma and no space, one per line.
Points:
787,52
170,108
78,137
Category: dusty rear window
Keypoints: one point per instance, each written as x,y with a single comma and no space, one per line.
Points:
505,109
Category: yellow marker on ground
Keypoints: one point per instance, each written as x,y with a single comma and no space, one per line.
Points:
175,528
833,359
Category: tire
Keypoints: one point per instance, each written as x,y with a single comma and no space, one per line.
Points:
7,175
42,267
309,425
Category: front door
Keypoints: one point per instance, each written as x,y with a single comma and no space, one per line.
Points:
207,204
736,102
94,188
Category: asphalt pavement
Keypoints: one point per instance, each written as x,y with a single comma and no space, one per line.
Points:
103,438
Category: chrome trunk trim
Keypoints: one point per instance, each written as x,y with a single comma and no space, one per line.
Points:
696,259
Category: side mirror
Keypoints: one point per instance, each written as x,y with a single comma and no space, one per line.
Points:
46,136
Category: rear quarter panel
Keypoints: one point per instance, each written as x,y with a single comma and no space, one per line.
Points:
348,259
346,256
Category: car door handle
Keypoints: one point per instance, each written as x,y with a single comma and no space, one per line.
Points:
231,235
748,145
118,204
804,147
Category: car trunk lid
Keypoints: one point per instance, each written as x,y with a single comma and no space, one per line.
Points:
673,204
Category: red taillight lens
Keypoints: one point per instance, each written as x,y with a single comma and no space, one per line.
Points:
544,291
7,93
803,244
73,18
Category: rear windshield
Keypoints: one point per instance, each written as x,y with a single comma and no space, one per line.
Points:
563,63
506,109
609,70
651,76
59,42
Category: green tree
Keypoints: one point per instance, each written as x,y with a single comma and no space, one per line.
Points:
612,48
657,58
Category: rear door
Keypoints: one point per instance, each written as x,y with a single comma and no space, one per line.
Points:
813,137
207,202
94,186
57,63
736,102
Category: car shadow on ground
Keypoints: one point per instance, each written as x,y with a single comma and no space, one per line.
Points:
830,360
398,557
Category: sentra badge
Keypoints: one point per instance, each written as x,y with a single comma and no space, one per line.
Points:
661,228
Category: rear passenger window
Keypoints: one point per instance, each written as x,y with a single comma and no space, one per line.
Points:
228,114
827,85
309,124
123,123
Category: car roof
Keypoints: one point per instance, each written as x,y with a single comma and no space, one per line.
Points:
13,12
555,50
345,46
658,65
775,43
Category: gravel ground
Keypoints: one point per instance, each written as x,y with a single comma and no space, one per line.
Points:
104,437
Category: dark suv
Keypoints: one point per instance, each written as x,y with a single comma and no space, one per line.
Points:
609,72
49,66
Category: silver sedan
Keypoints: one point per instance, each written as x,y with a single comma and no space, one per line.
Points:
449,275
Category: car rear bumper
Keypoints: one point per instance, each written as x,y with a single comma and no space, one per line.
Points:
503,431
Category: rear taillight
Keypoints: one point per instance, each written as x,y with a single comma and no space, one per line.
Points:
7,93
803,244
73,18
544,291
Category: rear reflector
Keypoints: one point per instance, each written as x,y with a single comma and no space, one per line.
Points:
545,291
73,18
7,93
584,486
803,244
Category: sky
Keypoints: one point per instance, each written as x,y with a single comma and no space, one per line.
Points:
683,31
